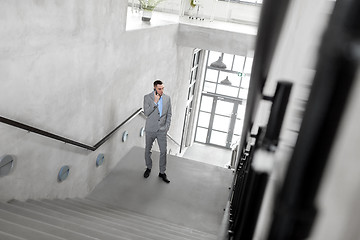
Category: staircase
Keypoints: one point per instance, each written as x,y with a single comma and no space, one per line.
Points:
125,206
83,219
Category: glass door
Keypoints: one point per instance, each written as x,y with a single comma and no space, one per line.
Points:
203,125
217,121
220,132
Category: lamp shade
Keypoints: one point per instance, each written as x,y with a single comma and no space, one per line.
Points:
226,81
218,64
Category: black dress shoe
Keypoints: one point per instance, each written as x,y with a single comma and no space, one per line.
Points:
164,177
147,173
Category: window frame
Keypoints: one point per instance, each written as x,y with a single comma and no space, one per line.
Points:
243,2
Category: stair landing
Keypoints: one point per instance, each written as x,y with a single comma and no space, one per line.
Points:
195,198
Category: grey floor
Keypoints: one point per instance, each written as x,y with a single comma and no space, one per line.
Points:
195,198
213,155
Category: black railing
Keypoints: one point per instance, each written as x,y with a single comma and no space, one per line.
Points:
249,182
67,140
246,197
295,210
277,113
237,202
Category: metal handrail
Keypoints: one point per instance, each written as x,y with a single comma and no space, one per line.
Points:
172,139
67,140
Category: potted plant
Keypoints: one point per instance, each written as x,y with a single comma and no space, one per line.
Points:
148,7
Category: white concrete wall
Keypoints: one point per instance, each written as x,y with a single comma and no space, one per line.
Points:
217,40
211,9
226,11
70,68
39,159
169,6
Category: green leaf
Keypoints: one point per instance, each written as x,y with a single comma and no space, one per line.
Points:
149,4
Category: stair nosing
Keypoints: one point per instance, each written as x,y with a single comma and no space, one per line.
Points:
74,219
173,230
26,218
34,230
93,212
124,223
112,207
105,222
12,235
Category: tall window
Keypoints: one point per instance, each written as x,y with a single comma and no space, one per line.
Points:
194,74
223,100
230,80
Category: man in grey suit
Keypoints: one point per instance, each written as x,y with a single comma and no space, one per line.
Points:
157,108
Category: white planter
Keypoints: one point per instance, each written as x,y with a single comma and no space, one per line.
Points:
146,16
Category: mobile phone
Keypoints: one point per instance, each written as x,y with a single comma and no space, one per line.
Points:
156,92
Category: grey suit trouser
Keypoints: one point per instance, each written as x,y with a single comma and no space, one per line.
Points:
162,142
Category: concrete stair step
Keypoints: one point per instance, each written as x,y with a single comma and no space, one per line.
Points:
85,219
6,236
128,232
42,226
25,232
153,223
64,221
144,218
137,228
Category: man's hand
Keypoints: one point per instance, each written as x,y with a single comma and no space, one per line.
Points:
156,97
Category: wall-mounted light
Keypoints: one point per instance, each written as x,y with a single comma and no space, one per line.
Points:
100,160
142,132
63,173
125,136
6,164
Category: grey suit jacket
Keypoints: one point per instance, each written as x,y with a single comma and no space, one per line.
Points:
155,122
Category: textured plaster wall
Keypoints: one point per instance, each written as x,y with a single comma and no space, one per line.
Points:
70,68
225,11
210,9
215,39
38,160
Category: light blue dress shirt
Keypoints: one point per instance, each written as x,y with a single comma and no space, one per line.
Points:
160,105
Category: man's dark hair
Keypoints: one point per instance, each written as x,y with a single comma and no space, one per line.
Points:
157,82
